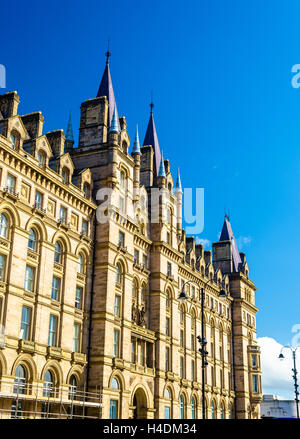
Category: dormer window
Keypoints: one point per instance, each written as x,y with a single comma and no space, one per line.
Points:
41,158
86,190
13,140
65,175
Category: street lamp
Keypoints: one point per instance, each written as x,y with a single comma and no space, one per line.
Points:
295,372
202,340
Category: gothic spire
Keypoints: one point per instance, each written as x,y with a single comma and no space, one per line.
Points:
227,235
136,146
106,89
178,187
69,132
162,171
151,139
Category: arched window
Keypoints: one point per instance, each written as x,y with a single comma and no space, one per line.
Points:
32,240
167,393
182,407
122,180
81,264
143,294
115,399
58,253
20,380
221,412
167,299
48,388
193,406
3,226
213,411
72,387
114,384
118,273
229,412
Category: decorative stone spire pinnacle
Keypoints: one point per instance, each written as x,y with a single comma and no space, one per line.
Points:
114,123
69,132
136,145
151,139
178,187
162,172
227,235
106,89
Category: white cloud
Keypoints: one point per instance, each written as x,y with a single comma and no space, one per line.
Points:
205,242
243,241
276,374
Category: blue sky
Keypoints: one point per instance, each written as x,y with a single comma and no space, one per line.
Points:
225,110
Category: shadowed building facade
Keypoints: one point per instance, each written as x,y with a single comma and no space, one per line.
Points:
94,302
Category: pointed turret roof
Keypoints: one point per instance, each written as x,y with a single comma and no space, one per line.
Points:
114,123
178,187
106,89
151,139
162,171
227,235
69,132
136,146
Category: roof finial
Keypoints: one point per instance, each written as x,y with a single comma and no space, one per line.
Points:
108,52
151,103
178,187
136,145
69,133
114,123
162,171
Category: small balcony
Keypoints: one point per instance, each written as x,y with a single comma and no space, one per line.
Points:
26,346
78,358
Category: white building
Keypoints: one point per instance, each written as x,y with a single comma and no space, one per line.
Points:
272,407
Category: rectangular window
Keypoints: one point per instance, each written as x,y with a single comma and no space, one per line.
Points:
254,360
117,305
2,266
192,342
113,409
193,370
29,278
169,269
168,238
193,292
116,343
167,413
84,228
141,353
38,200
78,297
167,326
254,384
121,204
52,331
76,339
10,183
136,256
167,363
121,239
25,323
181,337
133,352
181,370
55,288
63,215
145,261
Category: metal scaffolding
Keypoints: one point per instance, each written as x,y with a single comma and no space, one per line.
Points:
21,400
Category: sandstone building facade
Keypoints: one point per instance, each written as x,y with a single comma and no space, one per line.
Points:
91,323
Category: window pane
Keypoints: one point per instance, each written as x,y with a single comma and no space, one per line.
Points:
3,226
29,278
25,323
78,298
32,240
52,330
76,337
55,288
113,411
2,266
